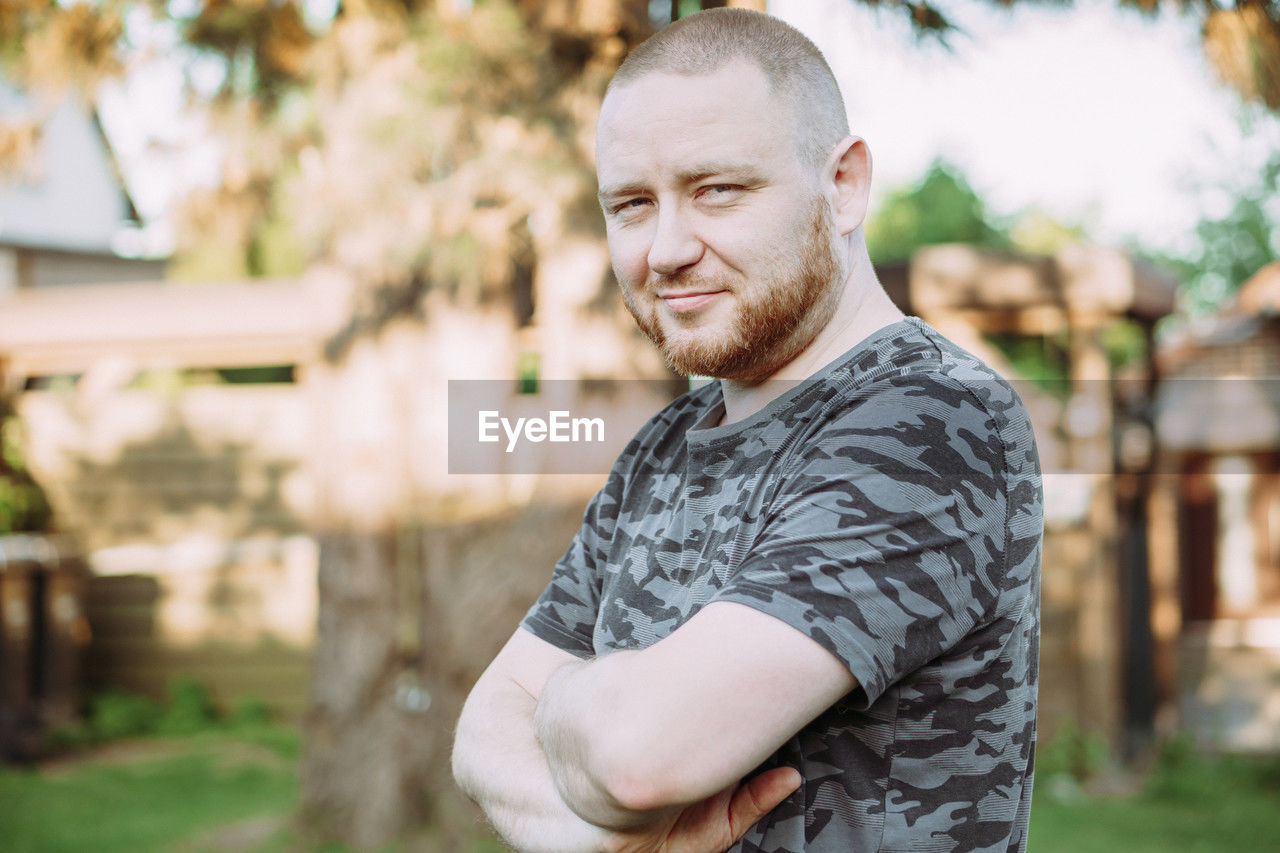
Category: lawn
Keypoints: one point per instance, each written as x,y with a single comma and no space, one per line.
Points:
236,790
1186,803
147,794
214,791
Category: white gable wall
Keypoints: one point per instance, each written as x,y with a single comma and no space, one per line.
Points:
74,200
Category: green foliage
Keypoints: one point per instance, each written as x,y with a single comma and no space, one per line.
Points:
1035,358
1124,342
275,251
267,374
1178,771
190,709
527,371
249,711
23,507
1038,233
1073,753
116,714
69,737
941,208
1234,246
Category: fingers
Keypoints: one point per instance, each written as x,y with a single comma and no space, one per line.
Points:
758,796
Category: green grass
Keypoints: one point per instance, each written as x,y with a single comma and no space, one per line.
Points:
222,789
148,794
237,789
1188,804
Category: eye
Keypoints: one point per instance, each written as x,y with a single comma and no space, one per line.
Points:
721,192
628,205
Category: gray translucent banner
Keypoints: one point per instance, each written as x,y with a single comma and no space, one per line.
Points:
562,427
580,427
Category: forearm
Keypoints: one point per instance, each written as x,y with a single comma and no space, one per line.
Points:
498,762
579,729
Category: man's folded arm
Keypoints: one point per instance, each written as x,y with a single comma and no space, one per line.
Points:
498,762
636,731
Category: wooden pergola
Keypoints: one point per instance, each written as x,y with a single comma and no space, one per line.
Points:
68,330
1110,580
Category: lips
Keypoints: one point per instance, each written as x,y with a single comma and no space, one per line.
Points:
682,302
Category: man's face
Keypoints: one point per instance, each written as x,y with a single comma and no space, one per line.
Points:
721,241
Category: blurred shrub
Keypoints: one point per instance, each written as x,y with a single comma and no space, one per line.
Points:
249,711
23,507
1267,773
1184,774
1178,772
67,737
1072,753
116,714
190,709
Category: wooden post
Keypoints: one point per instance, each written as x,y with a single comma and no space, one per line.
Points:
16,711
1089,422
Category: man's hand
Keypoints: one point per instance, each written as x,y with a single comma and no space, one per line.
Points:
714,824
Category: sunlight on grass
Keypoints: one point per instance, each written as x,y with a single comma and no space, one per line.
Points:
143,795
237,790
1188,803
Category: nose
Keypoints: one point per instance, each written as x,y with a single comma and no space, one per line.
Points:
675,246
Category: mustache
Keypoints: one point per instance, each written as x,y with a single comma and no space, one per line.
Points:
689,281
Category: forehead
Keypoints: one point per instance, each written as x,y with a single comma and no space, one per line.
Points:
662,123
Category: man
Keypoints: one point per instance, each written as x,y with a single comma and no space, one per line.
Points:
802,614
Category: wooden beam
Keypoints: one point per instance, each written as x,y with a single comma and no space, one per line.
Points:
227,324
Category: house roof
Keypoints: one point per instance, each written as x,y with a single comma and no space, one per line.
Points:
73,196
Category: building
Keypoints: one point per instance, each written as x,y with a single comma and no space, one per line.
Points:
63,202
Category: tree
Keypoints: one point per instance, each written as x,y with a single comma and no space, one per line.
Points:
941,208
1232,247
23,507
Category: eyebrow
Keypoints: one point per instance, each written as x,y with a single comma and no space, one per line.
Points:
700,172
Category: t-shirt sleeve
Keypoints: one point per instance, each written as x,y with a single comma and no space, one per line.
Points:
565,614
884,542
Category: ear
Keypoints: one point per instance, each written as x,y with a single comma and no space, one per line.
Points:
848,183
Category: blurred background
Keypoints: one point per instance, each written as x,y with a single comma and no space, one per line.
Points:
246,244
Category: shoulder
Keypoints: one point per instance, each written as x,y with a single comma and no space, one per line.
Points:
916,408
918,374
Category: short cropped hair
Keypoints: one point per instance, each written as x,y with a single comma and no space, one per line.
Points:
795,68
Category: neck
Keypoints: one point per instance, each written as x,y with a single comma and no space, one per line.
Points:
862,309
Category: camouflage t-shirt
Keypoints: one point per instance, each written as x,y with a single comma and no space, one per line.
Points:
889,507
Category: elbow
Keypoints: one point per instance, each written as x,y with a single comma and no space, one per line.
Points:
635,772
631,789
458,766
462,760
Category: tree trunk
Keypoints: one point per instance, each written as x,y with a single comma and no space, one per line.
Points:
373,740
